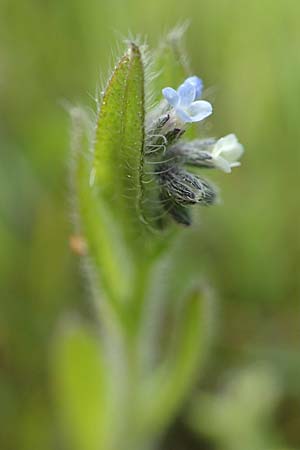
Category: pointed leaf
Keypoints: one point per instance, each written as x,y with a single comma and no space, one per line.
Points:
119,142
106,243
81,385
170,62
165,391
172,66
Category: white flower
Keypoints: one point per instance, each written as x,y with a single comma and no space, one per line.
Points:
226,153
183,101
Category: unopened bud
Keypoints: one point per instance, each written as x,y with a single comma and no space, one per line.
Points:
186,188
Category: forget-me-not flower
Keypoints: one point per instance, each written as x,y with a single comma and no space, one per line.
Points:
184,102
226,152
198,83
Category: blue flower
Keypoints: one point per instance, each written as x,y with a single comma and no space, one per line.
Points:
198,83
183,100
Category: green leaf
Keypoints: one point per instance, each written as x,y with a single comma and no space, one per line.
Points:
106,243
172,67
81,387
166,389
119,144
241,412
170,62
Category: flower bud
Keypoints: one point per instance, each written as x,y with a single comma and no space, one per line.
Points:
185,188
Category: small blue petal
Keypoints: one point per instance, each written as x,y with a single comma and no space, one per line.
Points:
198,83
171,96
199,110
187,94
183,115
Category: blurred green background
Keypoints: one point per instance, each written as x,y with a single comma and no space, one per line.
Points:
51,54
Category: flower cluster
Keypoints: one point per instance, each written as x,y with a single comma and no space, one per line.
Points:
180,188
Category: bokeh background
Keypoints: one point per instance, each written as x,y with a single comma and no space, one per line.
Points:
53,53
